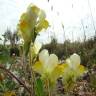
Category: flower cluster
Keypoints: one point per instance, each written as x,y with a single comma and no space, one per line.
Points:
48,67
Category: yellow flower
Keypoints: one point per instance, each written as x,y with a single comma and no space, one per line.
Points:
48,62
33,18
30,24
48,66
74,64
73,71
9,93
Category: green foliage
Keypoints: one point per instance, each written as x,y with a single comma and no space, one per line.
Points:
4,55
39,89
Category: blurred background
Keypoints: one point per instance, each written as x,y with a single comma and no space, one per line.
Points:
69,19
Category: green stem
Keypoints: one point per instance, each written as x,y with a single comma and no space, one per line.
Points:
48,87
32,73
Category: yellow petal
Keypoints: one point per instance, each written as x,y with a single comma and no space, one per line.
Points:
43,56
37,46
68,61
42,25
81,69
58,71
51,63
75,60
25,27
23,24
38,67
33,9
42,15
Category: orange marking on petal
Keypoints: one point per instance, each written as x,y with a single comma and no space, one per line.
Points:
23,24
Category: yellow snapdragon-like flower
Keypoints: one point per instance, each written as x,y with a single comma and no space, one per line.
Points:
74,64
74,69
30,24
46,62
33,19
48,66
